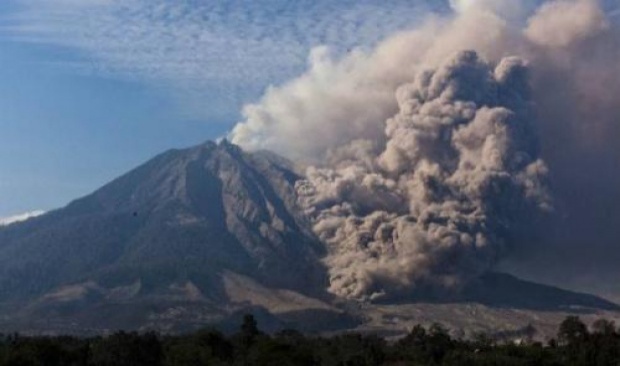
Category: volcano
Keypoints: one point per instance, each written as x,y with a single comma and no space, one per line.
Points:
196,237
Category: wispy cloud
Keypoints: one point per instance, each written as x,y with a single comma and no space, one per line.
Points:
4,221
229,49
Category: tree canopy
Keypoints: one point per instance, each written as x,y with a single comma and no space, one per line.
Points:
574,345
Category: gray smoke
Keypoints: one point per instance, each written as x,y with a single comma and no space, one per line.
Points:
431,207
577,93
428,156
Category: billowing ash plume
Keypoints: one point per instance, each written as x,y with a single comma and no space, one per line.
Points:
428,155
431,208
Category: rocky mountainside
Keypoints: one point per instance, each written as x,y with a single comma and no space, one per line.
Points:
185,216
197,237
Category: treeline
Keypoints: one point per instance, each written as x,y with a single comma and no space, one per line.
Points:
575,344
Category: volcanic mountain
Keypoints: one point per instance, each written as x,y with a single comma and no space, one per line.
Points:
173,226
195,237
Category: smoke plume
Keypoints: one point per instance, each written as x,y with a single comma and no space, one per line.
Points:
431,156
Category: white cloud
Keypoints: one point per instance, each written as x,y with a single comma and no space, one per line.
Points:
4,221
229,50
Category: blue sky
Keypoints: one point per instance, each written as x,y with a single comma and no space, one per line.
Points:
91,88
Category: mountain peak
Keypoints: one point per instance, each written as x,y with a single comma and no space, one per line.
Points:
187,214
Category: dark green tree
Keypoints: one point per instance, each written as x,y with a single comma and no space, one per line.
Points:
572,331
127,349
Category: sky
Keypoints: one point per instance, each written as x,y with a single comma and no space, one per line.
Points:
92,88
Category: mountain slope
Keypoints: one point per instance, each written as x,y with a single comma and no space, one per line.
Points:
186,215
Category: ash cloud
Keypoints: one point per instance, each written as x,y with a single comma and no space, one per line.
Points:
430,158
432,207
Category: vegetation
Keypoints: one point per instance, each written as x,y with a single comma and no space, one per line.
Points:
575,344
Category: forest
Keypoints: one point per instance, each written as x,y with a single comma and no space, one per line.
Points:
575,344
